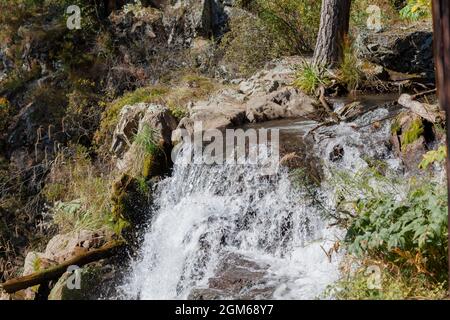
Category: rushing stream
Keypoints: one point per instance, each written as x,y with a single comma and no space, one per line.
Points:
208,217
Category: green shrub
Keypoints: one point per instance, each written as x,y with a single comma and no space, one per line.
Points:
399,226
410,232
416,9
269,29
310,77
359,14
294,22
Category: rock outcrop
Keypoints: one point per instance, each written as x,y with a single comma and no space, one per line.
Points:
408,51
268,95
132,120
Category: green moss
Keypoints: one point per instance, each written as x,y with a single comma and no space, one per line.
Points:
414,132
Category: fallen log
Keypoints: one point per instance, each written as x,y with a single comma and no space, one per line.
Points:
427,111
54,273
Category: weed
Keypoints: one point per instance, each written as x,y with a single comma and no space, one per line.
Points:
310,77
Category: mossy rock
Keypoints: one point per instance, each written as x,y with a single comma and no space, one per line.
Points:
131,199
94,281
413,132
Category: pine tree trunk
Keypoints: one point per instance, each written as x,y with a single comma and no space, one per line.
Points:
334,25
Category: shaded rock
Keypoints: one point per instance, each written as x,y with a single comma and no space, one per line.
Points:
94,280
406,51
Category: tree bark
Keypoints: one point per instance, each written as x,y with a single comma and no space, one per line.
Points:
334,26
441,25
56,272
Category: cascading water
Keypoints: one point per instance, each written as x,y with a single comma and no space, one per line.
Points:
204,213
273,234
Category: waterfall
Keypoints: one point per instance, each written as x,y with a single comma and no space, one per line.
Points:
204,214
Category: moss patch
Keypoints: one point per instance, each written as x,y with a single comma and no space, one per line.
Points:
414,132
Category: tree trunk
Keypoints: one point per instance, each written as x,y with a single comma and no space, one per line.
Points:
334,25
54,273
441,24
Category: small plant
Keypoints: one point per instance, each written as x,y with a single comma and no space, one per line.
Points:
79,192
349,73
416,9
310,77
434,156
147,139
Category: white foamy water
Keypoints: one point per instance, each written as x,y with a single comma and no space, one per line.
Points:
204,212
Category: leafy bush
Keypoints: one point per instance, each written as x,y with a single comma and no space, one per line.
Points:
310,77
295,22
416,9
360,15
269,29
399,227
249,44
410,232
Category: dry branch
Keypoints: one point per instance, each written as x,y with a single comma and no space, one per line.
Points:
427,111
54,273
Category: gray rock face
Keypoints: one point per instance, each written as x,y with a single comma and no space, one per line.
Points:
92,282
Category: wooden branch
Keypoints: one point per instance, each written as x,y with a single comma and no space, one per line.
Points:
426,111
54,273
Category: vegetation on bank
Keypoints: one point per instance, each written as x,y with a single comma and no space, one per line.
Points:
395,228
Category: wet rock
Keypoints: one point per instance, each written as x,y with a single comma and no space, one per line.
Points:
265,96
337,153
238,278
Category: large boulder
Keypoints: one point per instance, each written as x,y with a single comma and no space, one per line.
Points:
94,283
284,103
223,110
